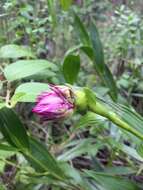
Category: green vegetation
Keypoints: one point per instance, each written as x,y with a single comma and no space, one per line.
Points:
95,49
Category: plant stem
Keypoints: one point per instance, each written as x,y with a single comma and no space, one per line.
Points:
103,111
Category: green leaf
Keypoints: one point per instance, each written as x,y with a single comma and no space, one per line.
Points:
91,97
65,4
15,51
16,98
110,83
88,51
132,152
111,182
88,119
140,149
131,117
99,64
92,47
14,132
97,49
81,30
77,179
127,114
12,129
25,68
29,92
71,67
73,49
42,160
82,146
119,170
6,147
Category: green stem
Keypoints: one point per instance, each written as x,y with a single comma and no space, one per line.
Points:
103,111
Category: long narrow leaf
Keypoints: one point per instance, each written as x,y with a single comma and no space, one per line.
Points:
42,160
81,30
111,182
97,49
92,47
99,63
35,152
12,129
110,83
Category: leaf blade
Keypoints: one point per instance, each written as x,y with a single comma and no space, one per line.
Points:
81,30
97,49
42,160
99,63
24,68
71,67
30,91
12,129
111,182
15,51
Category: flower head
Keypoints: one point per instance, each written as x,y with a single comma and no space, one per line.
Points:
56,104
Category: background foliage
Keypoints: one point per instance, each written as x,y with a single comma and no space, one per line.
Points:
97,44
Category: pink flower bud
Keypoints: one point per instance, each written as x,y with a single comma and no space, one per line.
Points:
56,104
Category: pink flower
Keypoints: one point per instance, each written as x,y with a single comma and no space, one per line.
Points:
56,104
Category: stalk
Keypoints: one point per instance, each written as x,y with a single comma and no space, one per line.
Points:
86,100
103,111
